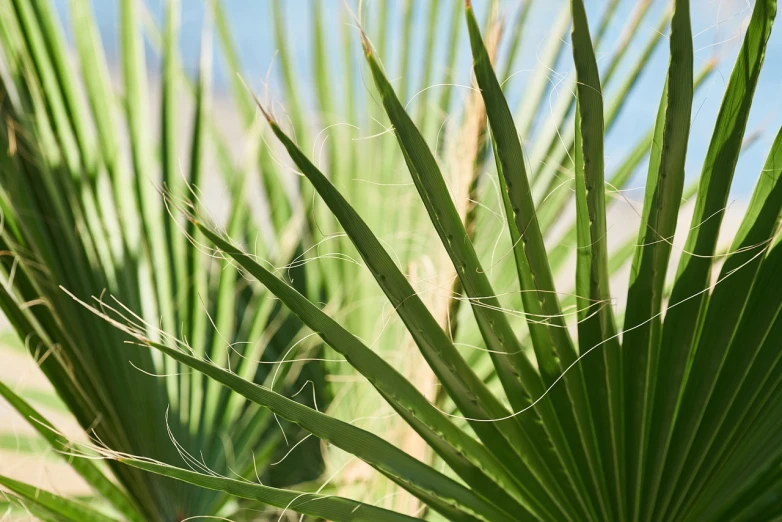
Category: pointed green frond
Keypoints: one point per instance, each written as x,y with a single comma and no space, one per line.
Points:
682,322
60,507
643,322
84,467
467,458
324,506
421,480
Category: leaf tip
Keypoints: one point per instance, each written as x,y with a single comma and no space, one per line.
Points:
365,44
257,101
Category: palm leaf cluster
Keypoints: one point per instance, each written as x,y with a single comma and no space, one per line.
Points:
83,213
570,409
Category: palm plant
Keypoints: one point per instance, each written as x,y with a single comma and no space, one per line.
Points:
74,215
670,417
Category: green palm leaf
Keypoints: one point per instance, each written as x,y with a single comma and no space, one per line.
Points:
514,393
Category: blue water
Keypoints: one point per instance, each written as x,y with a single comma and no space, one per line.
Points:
716,25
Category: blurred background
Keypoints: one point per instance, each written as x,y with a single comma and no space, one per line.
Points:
717,27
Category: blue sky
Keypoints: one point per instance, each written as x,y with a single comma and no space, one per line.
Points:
717,26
